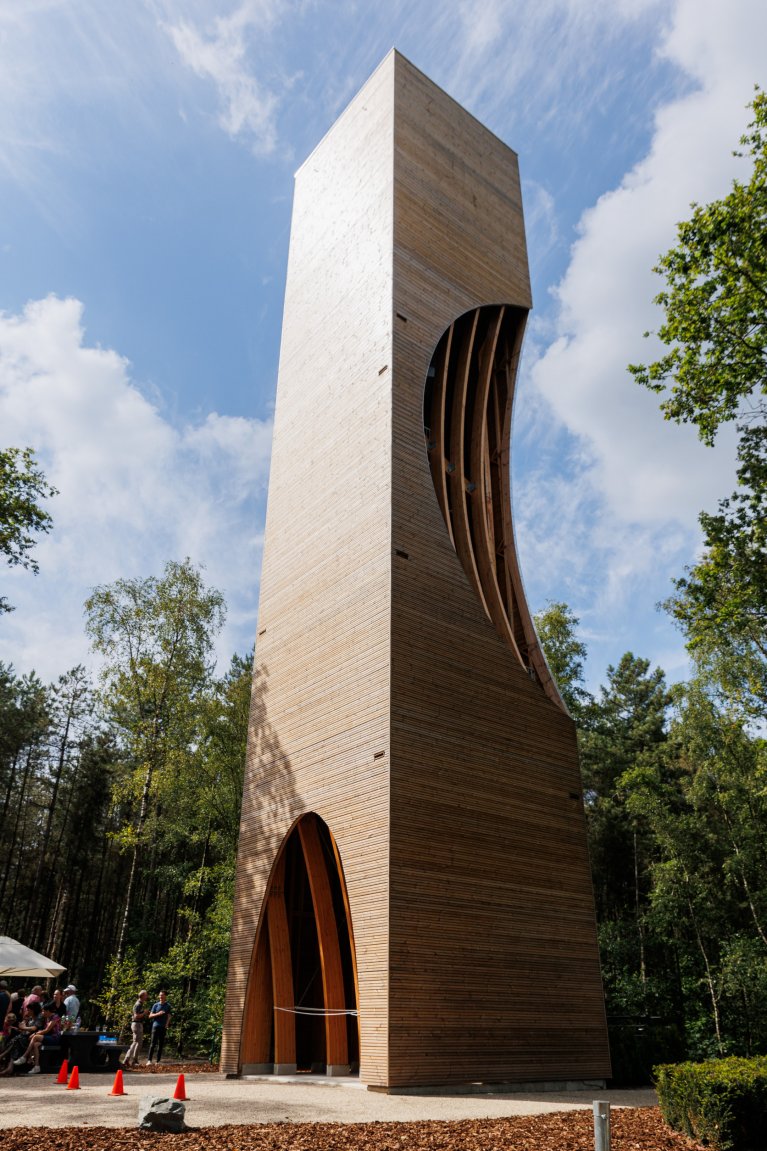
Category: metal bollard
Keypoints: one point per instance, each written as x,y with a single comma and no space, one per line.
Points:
601,1125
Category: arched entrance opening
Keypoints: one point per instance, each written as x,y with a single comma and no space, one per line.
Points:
301,1003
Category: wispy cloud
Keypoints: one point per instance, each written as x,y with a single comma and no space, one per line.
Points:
635,483
551,56
135,490
223,51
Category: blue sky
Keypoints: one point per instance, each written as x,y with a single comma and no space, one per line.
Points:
147,153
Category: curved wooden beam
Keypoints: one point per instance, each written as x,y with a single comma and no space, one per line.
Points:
350,928
478,512
437,427
256,1045
282,970
336,1044
458,477
483,535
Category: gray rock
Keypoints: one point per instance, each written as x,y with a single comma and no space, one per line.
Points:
157,1113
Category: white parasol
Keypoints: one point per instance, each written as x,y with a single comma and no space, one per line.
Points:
21,961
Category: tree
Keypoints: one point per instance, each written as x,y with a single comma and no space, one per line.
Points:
156,636
706,813
715,371
627,730
22,486
721,604
565,654
715,304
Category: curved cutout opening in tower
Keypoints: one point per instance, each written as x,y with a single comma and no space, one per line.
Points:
468,402
302,1001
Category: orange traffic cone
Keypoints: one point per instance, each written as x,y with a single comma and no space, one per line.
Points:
74,1079
117,1086
63,1072
180,1092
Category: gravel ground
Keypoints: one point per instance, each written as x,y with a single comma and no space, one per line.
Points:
38,1101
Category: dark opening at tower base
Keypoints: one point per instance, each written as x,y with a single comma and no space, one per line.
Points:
301,1007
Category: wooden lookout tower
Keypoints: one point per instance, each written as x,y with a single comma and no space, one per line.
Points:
413,894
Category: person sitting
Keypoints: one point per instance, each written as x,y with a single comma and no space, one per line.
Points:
5,1000
31,1023
10,1031
50,1033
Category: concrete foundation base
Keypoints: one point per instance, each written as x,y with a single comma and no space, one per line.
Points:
537,1088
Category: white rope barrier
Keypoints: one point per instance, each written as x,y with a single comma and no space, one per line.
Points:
317,1011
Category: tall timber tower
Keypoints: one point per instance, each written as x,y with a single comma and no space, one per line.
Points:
413,892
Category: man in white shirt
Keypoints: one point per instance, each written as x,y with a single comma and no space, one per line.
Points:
72,1005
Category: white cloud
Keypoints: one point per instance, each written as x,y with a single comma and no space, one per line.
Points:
609,511
649,470
223,53
135,491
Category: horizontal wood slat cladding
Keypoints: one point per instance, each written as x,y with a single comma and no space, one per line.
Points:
384,699
320,710
494,970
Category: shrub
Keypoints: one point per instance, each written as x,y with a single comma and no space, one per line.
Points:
722,1102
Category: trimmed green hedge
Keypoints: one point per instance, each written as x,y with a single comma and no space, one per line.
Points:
722,1102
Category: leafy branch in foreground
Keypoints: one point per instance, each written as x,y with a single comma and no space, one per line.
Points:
715,304
22,486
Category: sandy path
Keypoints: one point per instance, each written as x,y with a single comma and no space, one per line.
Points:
40,1102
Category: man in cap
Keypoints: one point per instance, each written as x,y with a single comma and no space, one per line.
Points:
72,1005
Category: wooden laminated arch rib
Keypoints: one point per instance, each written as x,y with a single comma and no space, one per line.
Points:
468,404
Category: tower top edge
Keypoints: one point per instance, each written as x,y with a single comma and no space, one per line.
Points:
394,60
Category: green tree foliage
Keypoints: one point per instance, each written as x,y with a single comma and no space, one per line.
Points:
156,638
187,952
627,727
715,371
707,817
721,604
557,629
22,487
57,863
73,782
715,302
676,806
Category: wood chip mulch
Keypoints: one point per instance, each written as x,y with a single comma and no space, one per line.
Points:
640,1129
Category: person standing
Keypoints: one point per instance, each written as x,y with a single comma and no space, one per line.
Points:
160,1017
138,1016
58,1004
72,1004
